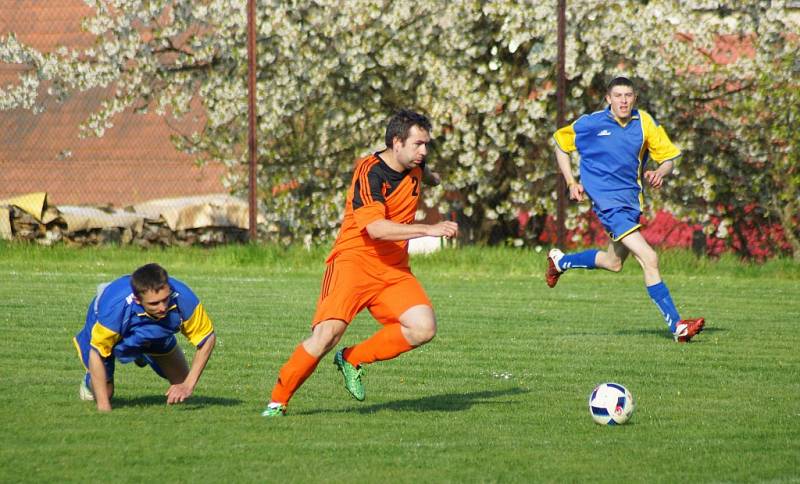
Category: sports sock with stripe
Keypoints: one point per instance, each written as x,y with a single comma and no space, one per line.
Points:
294,372
386,344
579,260
660,295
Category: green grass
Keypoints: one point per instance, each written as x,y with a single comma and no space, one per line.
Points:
500,394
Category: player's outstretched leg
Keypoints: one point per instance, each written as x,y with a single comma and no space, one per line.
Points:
352,376
559,262
300,365
686,329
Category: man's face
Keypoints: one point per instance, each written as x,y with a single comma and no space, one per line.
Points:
414,150
621,100
155,303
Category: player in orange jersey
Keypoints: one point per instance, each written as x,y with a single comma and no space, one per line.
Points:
368,266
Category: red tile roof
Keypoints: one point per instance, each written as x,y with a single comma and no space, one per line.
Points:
134,161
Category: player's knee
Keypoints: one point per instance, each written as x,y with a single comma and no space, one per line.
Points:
326,339
419,324
326,335
423,332
614,265
609,261
426,334
649,260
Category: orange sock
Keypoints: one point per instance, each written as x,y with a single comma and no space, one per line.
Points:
386,344
293,373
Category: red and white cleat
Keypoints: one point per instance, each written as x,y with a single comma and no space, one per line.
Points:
553,271
686,329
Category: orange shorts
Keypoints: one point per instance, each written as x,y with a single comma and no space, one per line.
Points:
352,283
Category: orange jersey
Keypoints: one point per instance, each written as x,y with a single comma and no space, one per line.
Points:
378,192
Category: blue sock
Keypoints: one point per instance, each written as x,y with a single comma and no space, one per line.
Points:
578,260
660,295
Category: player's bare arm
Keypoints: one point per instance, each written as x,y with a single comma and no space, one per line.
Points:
99,387
565,165
179,392
656,177
387,230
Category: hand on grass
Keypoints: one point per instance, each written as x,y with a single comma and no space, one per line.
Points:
178,393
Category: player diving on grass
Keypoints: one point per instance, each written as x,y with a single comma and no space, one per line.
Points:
135,318
368,266
614,145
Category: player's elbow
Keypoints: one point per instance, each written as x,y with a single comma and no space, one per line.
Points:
209,342
373,233
376,231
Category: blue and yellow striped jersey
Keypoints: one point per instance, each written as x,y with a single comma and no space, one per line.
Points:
122,327
613,155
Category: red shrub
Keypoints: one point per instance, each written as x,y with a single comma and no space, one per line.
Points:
751,236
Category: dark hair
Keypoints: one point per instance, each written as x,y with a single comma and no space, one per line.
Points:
619,81
400,124
149,277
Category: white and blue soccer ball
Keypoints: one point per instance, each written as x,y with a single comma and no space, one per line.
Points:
611,404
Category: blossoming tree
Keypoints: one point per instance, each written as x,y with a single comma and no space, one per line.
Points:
330,72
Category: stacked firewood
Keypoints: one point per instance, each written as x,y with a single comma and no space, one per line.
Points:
153,233
25,227
158,234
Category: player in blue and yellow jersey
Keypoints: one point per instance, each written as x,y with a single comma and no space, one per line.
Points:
368,266
614,147
135,318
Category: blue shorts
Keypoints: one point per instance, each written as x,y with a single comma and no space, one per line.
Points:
82,342
619,221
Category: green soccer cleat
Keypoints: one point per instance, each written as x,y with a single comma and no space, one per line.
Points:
352,376
274,410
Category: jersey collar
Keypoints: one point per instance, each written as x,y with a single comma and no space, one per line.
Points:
144,314
634,116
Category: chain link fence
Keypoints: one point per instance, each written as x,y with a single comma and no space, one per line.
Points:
135,161
58,186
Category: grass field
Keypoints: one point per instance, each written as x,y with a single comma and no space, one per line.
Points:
499,396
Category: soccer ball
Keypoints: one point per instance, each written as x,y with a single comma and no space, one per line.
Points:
611,404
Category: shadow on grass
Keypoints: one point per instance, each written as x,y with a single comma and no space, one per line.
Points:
191,403
663,333
448,402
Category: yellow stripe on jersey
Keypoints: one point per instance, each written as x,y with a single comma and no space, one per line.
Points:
656,140
565,138
104,339
80,355
198,327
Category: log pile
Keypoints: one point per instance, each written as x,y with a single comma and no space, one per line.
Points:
49,225
158,234
154,233
25,227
